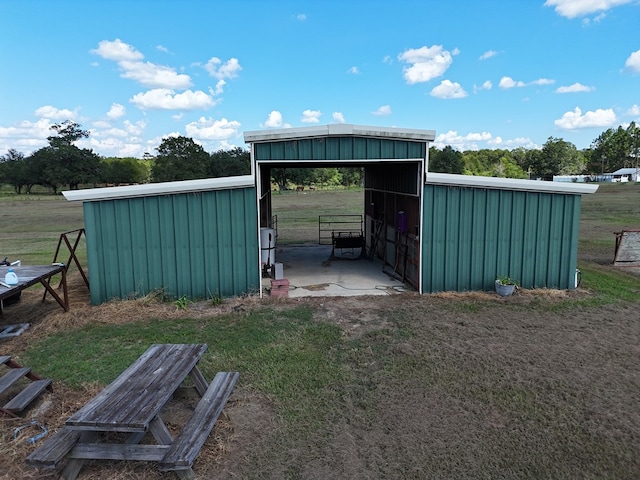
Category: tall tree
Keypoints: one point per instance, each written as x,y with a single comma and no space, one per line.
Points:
67,133
179,158
447,160
615,149
227,163
13,171
559,157
124,170
63,163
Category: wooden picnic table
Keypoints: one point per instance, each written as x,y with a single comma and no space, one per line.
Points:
131,405
29,275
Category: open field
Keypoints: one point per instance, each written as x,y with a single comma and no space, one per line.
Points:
298,213
543,384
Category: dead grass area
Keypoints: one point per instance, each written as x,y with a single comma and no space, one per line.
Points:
451,385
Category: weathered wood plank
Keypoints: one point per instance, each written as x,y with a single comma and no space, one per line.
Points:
199,381
27,395
187,445
11,377
112,451
54,449
4,359
131,401
628,249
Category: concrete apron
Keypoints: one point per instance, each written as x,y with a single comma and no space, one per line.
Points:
312,272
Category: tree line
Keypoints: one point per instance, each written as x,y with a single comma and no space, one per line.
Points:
62,164
612,150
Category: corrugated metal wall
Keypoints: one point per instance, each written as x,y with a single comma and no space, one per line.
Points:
473,235
339,148
194,244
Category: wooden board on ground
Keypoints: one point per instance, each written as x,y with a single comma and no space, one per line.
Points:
627,248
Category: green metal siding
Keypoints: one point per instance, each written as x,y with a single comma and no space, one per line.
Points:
339,148
194,244
473,235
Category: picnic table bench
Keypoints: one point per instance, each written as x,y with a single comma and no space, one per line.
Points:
29,275
132,405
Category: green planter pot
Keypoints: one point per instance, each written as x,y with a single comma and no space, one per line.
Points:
504,290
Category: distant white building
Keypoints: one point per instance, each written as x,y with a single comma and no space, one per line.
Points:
622,175
626,175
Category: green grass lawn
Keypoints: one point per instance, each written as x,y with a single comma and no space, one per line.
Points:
32,224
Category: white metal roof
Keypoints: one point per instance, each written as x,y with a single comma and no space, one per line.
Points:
510,183
626,171
339,129
162,188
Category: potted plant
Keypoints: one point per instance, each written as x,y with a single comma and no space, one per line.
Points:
505,286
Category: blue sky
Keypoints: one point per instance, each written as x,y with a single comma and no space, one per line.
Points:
490,74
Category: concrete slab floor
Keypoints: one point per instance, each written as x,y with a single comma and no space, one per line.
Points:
313,273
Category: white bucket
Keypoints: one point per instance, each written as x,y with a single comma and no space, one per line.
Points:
267,245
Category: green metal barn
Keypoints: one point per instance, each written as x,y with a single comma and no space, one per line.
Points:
196,238
454,232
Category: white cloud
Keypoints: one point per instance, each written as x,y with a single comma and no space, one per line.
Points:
135,128
448,89
579,8
634,111
425,63
162,48
461,142
110,132
633,62
167,99
508,82
154,76
487,85
543,81
145,73
210,129
117,51
116,111
382,111
311,116
354,70
338,117
499,142
488,54
52,113
301,17
575,119
101,124
274,121
479,140
575,88
219,70
25,136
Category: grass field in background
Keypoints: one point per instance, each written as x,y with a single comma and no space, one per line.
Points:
297,213
32,224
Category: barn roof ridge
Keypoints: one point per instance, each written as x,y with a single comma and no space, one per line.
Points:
338,130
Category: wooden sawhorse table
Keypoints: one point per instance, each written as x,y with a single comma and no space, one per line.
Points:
29,275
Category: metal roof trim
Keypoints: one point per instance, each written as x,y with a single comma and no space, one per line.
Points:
338,129
509,183
162,188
